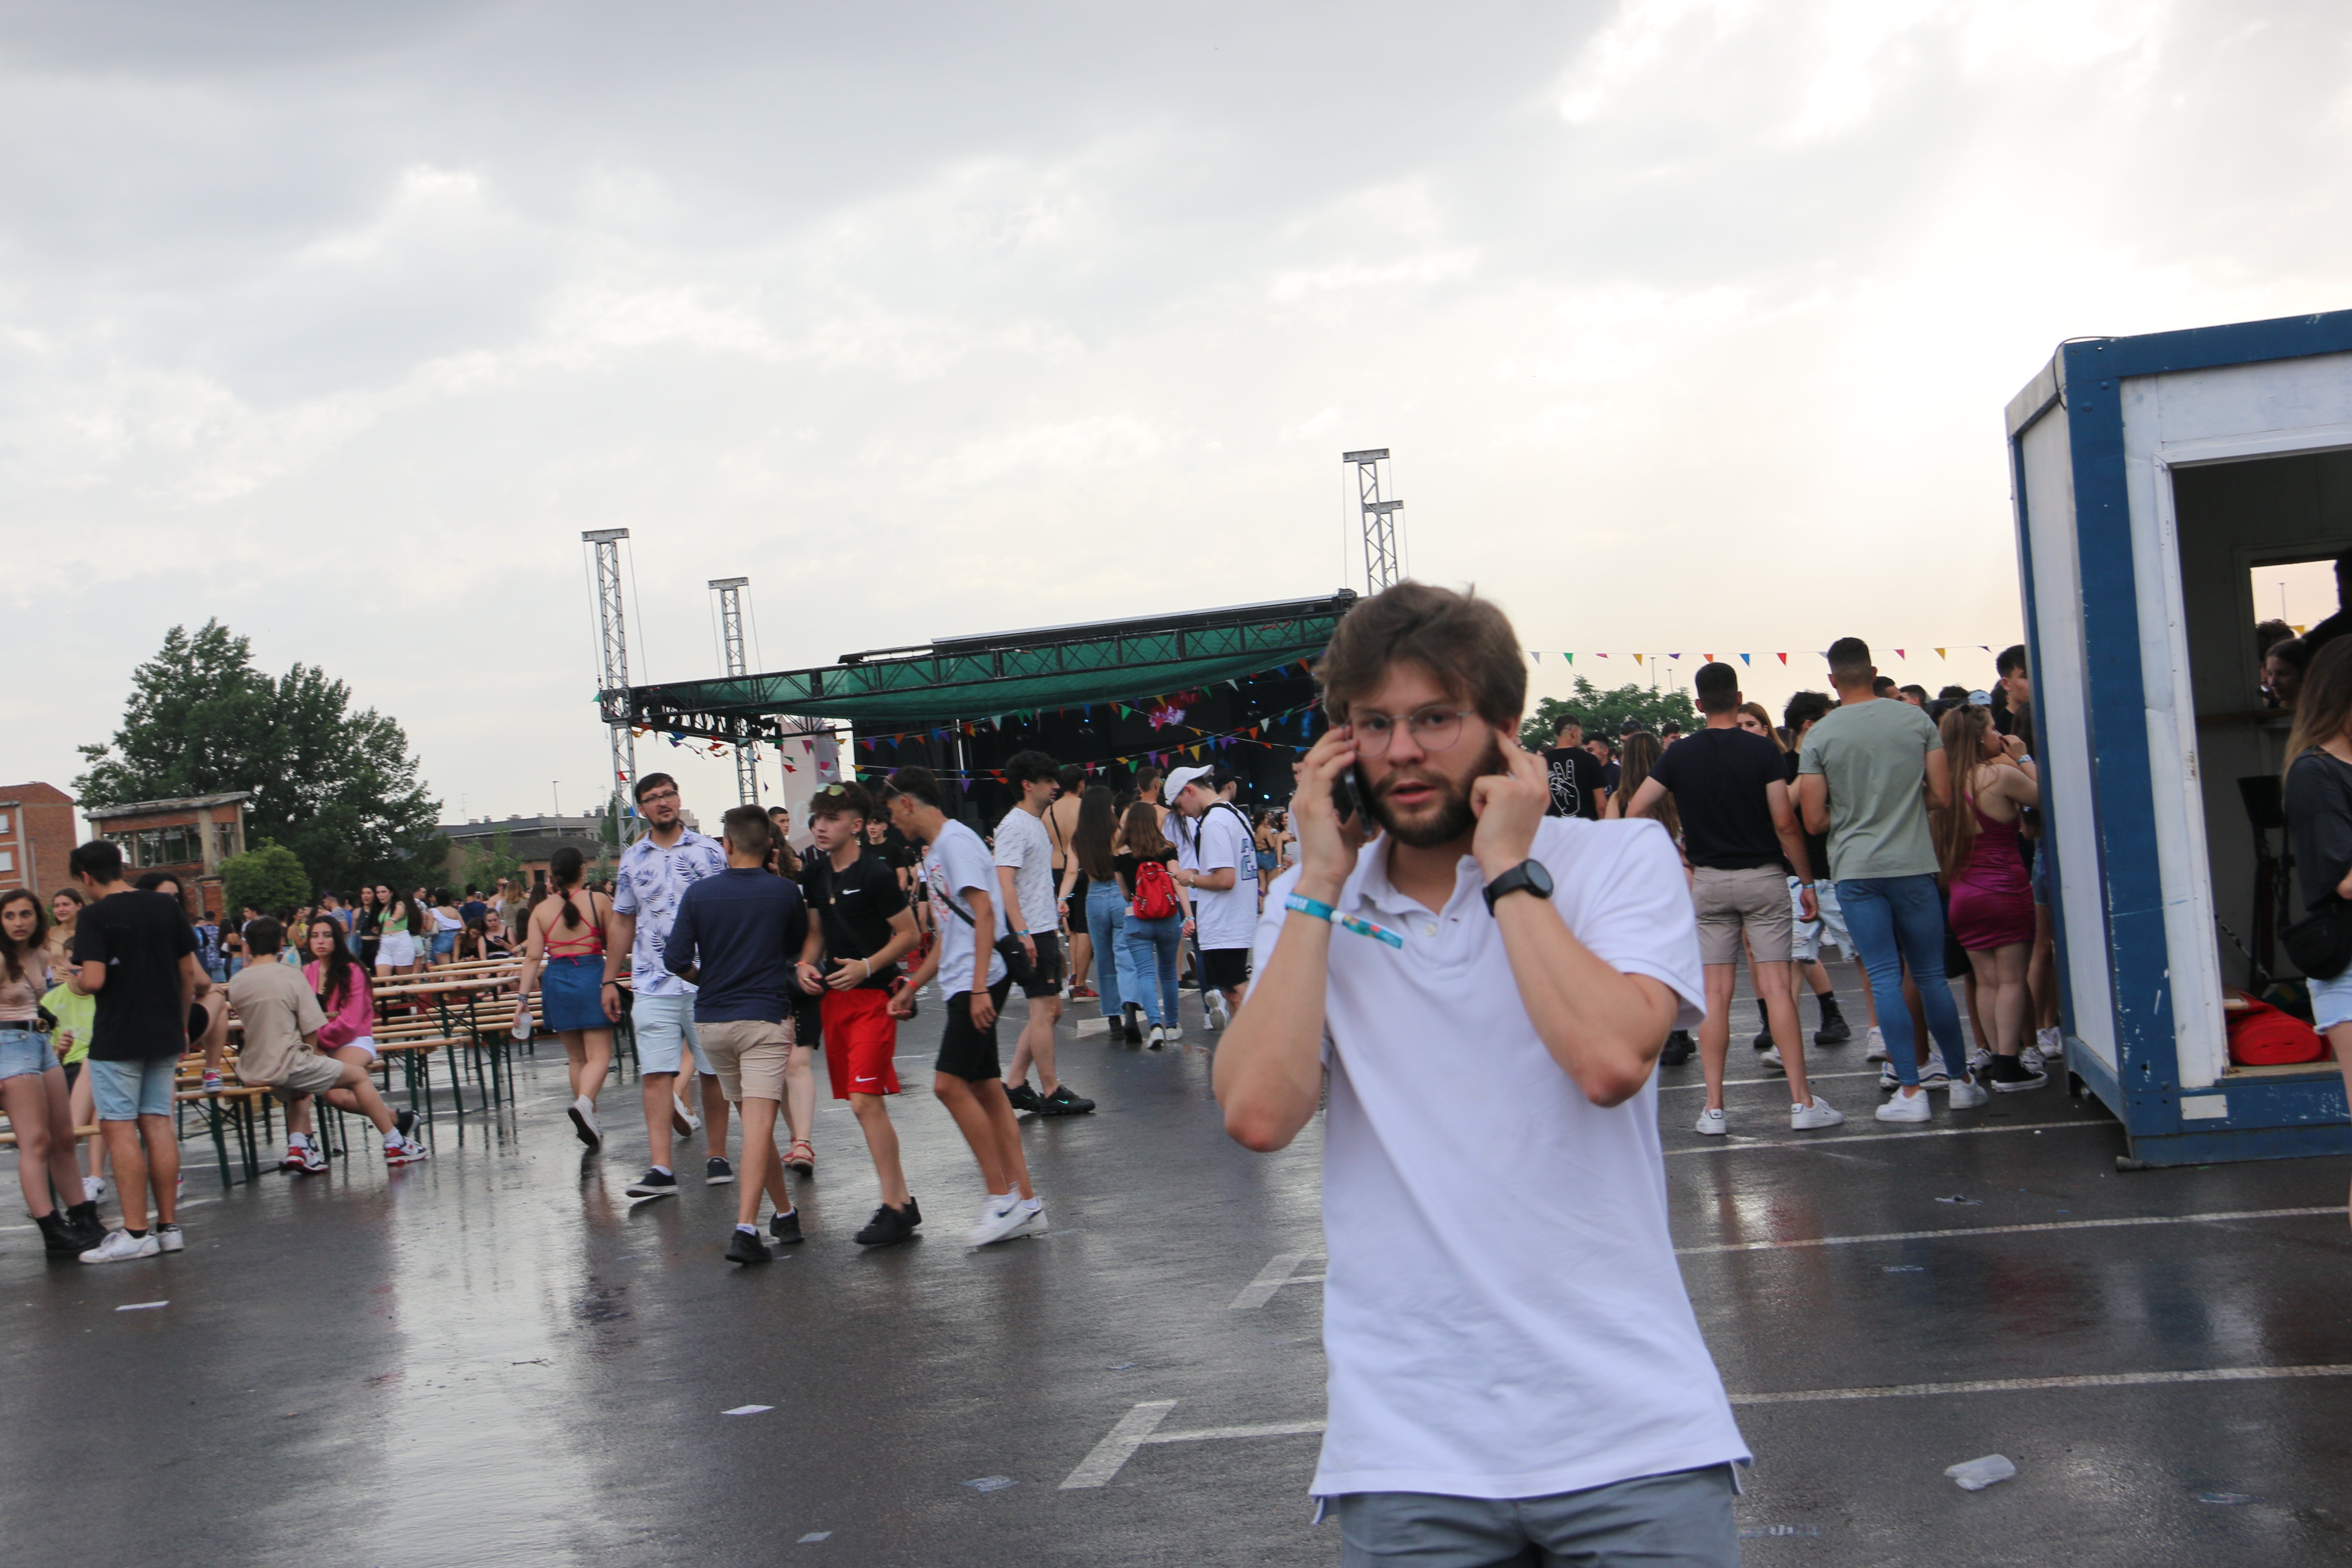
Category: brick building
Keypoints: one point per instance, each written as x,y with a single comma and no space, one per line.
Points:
36,834
189,836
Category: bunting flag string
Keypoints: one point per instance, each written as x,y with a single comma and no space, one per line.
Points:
1943,653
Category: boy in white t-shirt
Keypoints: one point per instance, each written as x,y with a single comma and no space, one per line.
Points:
959,877
1515,1367
1216,857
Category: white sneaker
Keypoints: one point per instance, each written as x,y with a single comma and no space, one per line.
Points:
1175,1032
1935,1076
682,1116
1712,1123
1966,1093
2030,1058
1979,1059
1877,1051
1772,1058
1155,1037
995,1223
1812,1118
2051,1044
1907,1108
93,1188
1030,1218
1218,1016
1887,1077
168,1239
120,1244
583,1123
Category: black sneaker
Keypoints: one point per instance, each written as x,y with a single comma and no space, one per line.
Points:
1677,1051
1131,1016
1062,1102
1023,1097
1833,1030
914,1210
2010,1075
1764,1041
59,1239
785,1227
887,1226
654,1185
82,1221
747,1248
404,1123
718,1173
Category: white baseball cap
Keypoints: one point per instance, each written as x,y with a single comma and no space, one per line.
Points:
1175,782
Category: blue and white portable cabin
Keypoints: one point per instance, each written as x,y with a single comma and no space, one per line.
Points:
2153,476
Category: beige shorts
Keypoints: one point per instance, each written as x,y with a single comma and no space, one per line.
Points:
309,1074
748,1057
1730,902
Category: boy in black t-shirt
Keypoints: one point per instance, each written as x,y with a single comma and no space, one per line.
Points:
861,921
1576,780
134,952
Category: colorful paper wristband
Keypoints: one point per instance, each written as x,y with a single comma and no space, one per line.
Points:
1363,927
1306,905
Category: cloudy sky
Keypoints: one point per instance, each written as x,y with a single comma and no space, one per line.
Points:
1690,322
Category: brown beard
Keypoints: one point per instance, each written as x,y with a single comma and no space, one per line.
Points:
1453,817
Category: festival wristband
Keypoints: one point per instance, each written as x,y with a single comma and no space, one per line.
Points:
1363,927
1306,905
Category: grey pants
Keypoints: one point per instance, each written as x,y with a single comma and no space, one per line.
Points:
1677,1520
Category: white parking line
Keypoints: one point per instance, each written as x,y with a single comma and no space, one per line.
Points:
1140,1425
1733,1145
2020,1384
1270,1279
2006,1229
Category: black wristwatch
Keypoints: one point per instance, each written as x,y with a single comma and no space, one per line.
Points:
1527,876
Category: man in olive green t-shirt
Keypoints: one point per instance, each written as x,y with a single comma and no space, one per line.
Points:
1859,779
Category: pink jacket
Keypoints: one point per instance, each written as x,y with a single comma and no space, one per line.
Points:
355,1019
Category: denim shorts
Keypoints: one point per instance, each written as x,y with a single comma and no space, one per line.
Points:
2331,1001
22,1051
126,1091
665,1027
445,942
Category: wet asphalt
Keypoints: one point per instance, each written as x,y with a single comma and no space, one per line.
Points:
496,1358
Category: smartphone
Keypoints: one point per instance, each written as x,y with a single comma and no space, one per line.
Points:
1347,792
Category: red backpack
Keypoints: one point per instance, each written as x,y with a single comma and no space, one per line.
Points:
1155,891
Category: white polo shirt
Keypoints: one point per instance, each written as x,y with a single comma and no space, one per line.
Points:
1502,1315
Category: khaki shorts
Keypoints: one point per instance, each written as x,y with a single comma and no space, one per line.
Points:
1730,903
749,1057
309,1074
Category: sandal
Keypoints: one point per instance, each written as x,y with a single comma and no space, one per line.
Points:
801,1157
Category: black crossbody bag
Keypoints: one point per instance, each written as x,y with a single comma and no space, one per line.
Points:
1008,948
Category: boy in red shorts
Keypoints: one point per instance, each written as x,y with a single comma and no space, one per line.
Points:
863,924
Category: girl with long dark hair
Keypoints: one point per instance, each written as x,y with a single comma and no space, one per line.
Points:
2319,819
1152,945
364,922
32,1085
571,930
397,924
1104,915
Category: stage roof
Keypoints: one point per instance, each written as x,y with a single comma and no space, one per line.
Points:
959,678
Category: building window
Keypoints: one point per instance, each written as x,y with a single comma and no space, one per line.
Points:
223,839
3,822
7,861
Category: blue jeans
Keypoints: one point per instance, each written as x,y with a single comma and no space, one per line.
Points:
1106,923
1153,946
1898,921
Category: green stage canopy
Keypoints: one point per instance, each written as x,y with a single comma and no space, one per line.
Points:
960,679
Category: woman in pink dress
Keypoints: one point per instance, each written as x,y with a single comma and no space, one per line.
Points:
1992,900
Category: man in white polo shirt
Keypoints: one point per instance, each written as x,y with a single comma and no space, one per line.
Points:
1217,859
1516,1372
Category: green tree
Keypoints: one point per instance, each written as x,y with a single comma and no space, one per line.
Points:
269,877
480,868
336,787
1603,711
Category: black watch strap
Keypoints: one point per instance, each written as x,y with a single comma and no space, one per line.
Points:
1527,876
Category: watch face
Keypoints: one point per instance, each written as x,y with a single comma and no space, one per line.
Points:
1539,880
